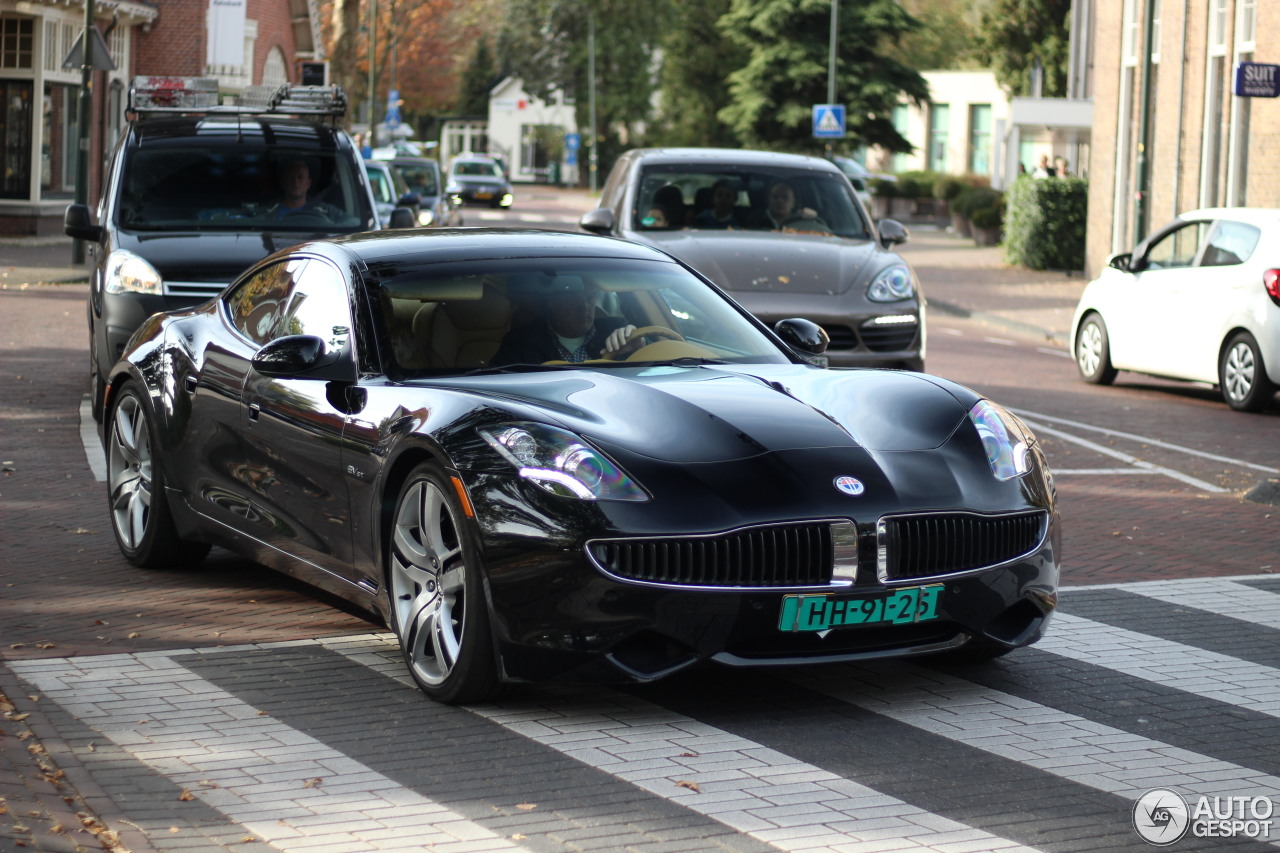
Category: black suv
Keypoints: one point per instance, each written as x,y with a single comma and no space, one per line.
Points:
196,192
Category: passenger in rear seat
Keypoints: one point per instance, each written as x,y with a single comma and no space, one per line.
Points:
568,329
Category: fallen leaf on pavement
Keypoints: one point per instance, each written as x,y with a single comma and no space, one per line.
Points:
692,786
186,796
313,783
526,806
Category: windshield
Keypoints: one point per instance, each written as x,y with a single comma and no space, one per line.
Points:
242,188
456,318
421,178
477,168
748,198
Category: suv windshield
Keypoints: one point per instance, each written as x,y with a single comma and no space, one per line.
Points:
240,188
748,197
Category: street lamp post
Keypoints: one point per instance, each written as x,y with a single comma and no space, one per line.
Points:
591,94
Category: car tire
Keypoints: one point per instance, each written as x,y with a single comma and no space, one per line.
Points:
138,507
1242,375
1093,352
434,579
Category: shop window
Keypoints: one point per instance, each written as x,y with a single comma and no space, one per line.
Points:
17,42
15,138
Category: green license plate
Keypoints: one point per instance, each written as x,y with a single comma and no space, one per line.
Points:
825,611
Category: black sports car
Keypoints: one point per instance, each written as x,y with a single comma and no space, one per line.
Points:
674,484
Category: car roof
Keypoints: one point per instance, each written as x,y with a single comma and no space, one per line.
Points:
446,245
253,128
730,157
1259,215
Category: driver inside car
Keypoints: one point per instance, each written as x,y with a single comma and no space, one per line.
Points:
295,185
569,330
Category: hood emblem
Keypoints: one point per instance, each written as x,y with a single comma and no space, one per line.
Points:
850,485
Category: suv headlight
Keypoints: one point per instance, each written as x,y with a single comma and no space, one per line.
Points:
1006,439
893,284
126,272
426,217
562,463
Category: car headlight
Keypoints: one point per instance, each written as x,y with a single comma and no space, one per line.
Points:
425,218
562,463
893,284
1006,439
126,272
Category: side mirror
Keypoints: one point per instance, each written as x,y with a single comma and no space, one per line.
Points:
1121,261
803,335
301,356
598,221
78,223
892,233
410,200
402,217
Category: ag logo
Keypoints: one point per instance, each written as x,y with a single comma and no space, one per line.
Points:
850,485
1161,817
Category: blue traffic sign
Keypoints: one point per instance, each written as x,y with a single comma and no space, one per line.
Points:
573,141
828,121
1257,80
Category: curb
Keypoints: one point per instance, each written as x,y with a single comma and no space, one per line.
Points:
954,310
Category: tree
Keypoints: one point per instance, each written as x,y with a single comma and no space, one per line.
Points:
1014,36
945,38
548,43
786,71
478,78
697,57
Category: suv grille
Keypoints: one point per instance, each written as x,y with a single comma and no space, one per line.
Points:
921,546
772,556
888,338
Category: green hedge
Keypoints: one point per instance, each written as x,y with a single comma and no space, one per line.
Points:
1044,223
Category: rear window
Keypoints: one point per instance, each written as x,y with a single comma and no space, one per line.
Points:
241,188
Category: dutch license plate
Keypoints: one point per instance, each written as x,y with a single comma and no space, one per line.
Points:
825,611
484,195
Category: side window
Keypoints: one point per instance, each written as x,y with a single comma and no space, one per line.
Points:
1230,243
1178,249
257,304
318,306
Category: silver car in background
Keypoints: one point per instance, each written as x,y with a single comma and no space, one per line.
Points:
824,261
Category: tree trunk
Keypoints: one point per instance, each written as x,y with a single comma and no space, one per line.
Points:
342,60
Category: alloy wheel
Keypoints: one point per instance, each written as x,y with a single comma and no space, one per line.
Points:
1089,350
1239,371
428,582
129,463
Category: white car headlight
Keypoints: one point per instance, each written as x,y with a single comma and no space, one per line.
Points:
425,218
126,272
893,284
562,463
1006,439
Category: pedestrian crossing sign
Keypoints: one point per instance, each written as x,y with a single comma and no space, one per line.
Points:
828,121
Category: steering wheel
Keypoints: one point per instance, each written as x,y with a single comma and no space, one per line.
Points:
646,331
804,223
312,212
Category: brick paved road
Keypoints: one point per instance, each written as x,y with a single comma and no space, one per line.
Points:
71,608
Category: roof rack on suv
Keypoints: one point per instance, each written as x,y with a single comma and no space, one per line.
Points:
154,94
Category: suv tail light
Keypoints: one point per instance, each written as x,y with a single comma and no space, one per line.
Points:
1271,280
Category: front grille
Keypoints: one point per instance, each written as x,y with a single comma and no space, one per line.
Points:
889,337
920,546
772,556
842,337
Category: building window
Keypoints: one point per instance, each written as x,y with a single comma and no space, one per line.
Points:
980,139
274,72
901,121
15,138
17,42
1218,24
939,119
60,141
1247,26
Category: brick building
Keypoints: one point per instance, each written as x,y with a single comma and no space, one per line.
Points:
1208,146
241,42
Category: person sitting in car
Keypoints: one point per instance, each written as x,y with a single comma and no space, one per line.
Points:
721,213
781,212
294,176
568,330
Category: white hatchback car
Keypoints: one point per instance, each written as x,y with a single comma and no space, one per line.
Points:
1198,300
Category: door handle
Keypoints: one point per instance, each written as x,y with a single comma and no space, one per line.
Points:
254,411
191,382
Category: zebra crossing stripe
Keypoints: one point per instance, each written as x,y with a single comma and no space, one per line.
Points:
758,791
1224,598
1071,747
1213,675
283,786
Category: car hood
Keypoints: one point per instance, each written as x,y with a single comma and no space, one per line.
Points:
207,256
689,415
749,261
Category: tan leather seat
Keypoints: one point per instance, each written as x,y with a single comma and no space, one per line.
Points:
466,333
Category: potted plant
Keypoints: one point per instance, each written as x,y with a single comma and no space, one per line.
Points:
987,219
947,189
